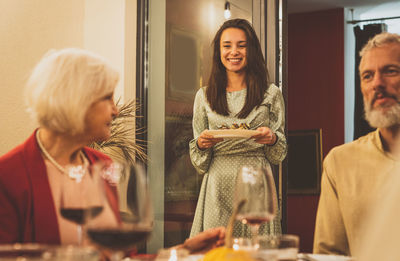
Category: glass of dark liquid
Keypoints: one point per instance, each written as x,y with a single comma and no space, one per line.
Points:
256,187
81,197
135,221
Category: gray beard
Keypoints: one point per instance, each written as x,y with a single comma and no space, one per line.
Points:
379,119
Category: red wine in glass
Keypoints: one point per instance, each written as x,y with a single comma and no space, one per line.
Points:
80,215
118,238
136,214
81,196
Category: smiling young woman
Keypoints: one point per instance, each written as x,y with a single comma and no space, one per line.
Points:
238,93
233,51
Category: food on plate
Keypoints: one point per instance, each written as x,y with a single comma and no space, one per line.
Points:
242,126
223,127
227,253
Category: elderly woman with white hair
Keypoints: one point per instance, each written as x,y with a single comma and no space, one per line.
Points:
70,95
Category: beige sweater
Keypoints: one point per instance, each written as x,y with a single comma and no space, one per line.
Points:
352,175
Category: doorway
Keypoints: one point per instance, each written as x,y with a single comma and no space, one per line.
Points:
173,62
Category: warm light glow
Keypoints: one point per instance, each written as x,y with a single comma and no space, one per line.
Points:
173,256
227,12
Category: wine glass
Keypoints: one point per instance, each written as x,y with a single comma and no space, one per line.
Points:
81,197
255,190
135,209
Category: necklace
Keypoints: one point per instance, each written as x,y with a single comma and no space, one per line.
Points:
72,173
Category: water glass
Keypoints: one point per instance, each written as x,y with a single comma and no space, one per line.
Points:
40,252
172,254
28,252
74,253
285,246
246,244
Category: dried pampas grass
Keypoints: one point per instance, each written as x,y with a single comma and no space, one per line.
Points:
122,146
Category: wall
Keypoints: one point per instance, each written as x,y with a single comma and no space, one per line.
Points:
110,30
315,97
29,28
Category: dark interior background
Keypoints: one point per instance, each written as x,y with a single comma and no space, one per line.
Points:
315,98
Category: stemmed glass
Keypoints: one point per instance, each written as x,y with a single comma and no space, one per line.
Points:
135,210
256,187
81,196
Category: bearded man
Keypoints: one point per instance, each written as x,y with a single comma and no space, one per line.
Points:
354,173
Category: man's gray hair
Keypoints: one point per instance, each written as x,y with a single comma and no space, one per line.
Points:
379,40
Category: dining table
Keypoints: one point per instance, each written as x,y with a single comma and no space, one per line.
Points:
36,252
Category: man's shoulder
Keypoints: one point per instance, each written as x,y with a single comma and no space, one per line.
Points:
350,149
357,144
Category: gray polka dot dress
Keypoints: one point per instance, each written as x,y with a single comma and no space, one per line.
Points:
221,163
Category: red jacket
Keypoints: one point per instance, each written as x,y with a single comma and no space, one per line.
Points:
27,212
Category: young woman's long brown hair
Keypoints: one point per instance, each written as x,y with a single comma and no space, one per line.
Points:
256,72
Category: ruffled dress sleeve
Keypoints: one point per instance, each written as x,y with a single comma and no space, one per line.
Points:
276,153
201,159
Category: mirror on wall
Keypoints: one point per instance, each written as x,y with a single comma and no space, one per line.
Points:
190,28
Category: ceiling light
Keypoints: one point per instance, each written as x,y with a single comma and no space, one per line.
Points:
227,11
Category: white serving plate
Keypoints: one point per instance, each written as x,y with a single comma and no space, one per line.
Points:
321,257
232,134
